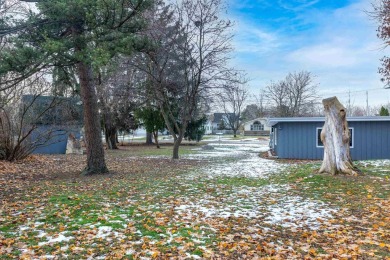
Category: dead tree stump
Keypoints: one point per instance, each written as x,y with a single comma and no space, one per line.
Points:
335,136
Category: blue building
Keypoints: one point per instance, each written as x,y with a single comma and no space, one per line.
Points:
299,137
48,121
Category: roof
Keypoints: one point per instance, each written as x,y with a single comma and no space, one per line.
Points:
274,121
217,117
256,119
53,110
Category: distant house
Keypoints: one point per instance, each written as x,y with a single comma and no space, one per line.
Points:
217,121
257,127
299,138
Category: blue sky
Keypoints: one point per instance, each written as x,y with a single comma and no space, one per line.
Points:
333,39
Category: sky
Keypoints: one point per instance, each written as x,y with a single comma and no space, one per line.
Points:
335,40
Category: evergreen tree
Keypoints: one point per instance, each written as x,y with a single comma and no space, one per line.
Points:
384,111
152,120
79,34
195,129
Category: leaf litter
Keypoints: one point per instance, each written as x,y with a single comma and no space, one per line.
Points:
226,203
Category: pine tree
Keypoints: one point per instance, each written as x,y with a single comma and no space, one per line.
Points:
384,111
79,34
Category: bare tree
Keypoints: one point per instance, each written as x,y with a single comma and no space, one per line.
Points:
232,99
260,101
188,62
381,13
117,93
277,94
251,111
301,91
30,120
294,95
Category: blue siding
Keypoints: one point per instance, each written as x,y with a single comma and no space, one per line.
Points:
371,140
297,140
55,144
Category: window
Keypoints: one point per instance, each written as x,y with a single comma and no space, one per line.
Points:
320,144
257,126
276,136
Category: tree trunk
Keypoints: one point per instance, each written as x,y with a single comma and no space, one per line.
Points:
93,140
335,137
111,136
149,137
176,145
155,134
234,133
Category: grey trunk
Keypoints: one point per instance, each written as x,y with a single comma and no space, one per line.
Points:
111,137
149,138
335,137
155,133
176,146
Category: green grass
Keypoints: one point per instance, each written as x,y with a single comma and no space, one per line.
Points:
336,189
151,150
242,181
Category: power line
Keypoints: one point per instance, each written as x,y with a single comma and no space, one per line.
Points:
356,91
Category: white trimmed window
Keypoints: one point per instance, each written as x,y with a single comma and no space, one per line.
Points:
257,126
319,143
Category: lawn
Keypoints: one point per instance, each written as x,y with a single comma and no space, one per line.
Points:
227,203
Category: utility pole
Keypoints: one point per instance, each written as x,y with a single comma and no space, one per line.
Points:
367,103
349,102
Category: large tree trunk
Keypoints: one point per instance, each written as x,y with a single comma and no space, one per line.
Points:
95,153
149,138
335,137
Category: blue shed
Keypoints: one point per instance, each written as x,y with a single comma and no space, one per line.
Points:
53,139
48,120
299,137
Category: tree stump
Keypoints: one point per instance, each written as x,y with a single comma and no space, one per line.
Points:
335,136
73,146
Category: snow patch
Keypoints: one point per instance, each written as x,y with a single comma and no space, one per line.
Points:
57,239
103,232
375,163
296,212
252,202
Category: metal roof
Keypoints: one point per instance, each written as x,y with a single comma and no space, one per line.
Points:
274,121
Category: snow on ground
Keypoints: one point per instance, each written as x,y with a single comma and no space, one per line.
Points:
56,239
252,167
228,138
375,163
296,212
227,149
248,163
249,202
254,202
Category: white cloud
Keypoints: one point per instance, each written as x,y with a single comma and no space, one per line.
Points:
296,5
255,40
324,55
340,47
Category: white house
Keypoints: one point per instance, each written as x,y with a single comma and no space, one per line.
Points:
214,122
257,126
